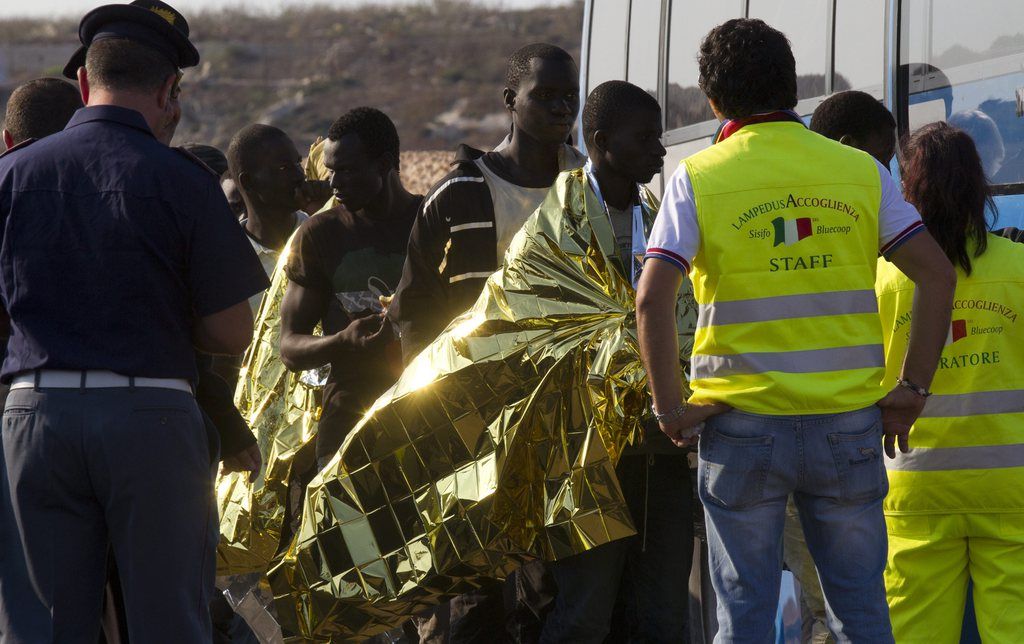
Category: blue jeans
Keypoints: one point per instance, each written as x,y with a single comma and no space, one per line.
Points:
833,467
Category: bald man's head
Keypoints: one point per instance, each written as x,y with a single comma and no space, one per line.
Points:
39,108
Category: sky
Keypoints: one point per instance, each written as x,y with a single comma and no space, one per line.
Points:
75,8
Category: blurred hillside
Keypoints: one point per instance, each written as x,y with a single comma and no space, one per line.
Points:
437,69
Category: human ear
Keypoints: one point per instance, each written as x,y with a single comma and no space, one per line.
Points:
846,139
600,141
509,96
244,182
714,109
8,139
83,85
164,97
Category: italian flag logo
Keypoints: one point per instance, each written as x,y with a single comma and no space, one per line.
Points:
957,331
790,231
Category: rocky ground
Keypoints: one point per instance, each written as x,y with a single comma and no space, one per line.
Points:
437,69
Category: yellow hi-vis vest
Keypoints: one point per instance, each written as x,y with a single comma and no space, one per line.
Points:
784,278
967,449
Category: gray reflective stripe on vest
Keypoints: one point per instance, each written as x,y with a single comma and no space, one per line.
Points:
784,307
812,361
933,459
980,402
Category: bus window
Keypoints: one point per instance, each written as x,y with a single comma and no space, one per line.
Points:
963,62
607,42
689,22
644,36
860,46
805,23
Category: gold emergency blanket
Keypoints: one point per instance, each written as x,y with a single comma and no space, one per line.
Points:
283,409
497,445
313,166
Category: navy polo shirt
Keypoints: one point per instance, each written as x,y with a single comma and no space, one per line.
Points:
113,245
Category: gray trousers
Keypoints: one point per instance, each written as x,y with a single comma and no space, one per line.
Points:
128,469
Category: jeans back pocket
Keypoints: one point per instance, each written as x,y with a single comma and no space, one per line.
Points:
860,467
733,469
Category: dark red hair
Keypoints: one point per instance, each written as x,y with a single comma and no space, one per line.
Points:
943,177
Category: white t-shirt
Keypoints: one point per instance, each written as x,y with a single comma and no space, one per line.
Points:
268,256
675,237
514,204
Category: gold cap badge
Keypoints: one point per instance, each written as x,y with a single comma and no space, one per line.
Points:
165,14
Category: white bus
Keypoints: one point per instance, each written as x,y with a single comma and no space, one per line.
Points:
926,60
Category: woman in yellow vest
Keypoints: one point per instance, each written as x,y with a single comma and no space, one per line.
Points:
955,509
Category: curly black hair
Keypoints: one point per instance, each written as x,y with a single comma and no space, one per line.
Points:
519,61
374,128
746,67
611,103
853,113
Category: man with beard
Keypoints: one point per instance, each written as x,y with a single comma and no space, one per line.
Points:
342,262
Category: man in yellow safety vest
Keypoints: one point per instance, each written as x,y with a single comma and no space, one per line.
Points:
780,230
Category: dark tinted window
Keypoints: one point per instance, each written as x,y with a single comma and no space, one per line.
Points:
860,46
607,42
689,22
644,36
805,23
963,62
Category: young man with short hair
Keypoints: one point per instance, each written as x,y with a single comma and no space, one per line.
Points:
467,221
342,262
648,573
267,170
859,120
470,216
780,230
39,108
36,109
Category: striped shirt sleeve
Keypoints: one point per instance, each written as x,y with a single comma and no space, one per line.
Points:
898,221
675,237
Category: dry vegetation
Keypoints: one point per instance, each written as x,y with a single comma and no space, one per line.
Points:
435,68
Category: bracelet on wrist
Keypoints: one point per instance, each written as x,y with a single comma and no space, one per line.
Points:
672,414
917,389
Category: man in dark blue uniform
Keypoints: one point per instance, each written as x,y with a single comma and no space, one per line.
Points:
118,257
